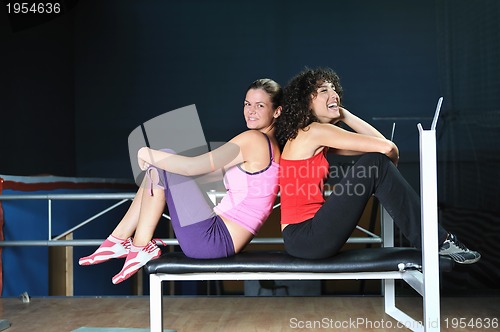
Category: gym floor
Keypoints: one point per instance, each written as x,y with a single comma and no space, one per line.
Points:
240,313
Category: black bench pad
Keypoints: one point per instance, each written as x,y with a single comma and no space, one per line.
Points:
356,260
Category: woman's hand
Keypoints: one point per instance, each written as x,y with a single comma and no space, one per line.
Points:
343,113
341,117
142,157
357,124
393,153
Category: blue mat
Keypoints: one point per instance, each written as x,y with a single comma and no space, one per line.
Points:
113,329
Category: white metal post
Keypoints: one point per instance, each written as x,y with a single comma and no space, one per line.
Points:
49,201
430,256
389,288
155,303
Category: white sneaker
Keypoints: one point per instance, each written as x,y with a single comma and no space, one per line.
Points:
137,258
110,248
455,249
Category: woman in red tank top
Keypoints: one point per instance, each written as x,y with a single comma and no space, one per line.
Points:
311,123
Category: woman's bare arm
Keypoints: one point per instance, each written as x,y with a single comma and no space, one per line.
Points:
358,125
242,148
225,155
325,134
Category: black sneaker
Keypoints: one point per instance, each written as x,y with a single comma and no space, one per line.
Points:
457,251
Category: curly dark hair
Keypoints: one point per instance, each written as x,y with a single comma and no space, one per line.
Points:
296,113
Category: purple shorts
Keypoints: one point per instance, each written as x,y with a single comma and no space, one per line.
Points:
201,233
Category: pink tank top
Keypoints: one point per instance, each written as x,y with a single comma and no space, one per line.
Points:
250,196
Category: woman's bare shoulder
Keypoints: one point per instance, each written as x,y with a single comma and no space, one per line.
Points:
247,135
315,126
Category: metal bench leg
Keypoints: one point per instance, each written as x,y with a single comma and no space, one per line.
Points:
155,303
430,256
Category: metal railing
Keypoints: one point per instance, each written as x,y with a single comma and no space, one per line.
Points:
122,198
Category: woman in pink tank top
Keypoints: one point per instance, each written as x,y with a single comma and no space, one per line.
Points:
250,163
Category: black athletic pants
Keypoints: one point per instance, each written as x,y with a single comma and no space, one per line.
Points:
373,174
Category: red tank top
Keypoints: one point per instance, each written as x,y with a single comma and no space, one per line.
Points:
301,187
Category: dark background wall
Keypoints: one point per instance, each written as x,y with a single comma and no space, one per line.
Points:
74,87
77,85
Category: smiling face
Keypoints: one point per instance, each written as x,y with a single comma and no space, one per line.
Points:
325,103
258,110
